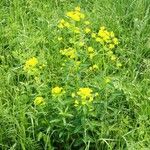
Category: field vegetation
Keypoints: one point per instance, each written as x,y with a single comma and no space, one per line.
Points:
75,75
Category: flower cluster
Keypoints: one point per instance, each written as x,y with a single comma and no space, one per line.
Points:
30,64
69,52
107,38
79,51
33,66
87,30
94,67
91,52
84,96
76,15
57,91
39,101
63,24
85,93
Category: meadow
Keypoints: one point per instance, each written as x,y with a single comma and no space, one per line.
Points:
75,75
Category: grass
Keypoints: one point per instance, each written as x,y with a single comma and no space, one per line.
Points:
117,119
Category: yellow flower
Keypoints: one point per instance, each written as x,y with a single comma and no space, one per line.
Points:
94,67
102,28
82,16
104,34
110,53
60,25
115,40
63,24
91,55
87,30
30,64
85,93
112,34
67,24
111,46
86,96
91,99
86,22
70,53
76,15
113,57
98,39
96,94
93,35
77,63
91,52
76,30
81,44
119,64
37,79
83,102
57,90
77,8
107,80
39,101
90,49
90,68
42,66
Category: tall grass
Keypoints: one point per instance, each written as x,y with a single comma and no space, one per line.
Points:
29,28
